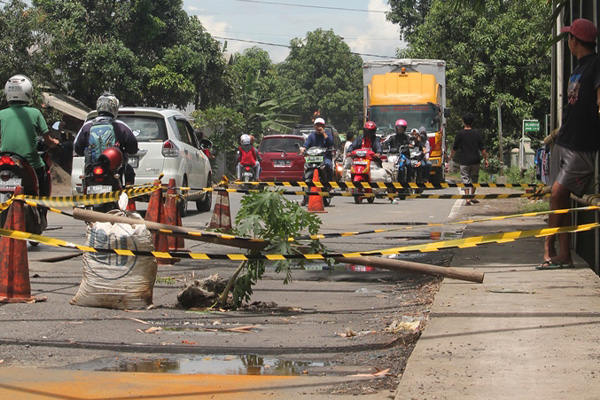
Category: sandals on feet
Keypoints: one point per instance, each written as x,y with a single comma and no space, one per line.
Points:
549,264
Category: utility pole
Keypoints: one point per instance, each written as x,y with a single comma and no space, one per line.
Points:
500,136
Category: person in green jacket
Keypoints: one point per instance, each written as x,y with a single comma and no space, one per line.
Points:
21,125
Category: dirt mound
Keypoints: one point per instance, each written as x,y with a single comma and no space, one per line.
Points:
61,181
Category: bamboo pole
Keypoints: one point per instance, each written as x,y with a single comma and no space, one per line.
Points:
378,262
178,231
396,265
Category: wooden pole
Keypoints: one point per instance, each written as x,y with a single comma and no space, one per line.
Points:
378,262
178,231
396,265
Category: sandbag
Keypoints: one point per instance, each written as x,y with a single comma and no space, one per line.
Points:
114,281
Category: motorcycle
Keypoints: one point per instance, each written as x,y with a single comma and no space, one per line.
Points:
248,173
103,176
314,159
16,171
360,171
397,165
416,154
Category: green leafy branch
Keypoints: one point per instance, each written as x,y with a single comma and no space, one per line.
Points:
268,215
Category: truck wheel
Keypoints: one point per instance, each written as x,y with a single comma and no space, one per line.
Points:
439,177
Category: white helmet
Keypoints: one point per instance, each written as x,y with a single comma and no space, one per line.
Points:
245,139
19,88
108,103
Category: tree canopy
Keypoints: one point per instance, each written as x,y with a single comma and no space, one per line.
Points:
147,52
499,54
327,76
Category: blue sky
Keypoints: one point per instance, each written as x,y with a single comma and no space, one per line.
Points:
279,21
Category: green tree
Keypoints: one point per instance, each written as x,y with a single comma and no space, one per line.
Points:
326,75
261,114
500,53
16,25
408,14
258,60
147,52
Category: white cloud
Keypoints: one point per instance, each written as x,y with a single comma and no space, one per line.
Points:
220,29
377,36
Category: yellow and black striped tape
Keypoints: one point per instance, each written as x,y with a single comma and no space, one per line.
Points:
390,185
395,195
441,224
196,234
87,200
427,247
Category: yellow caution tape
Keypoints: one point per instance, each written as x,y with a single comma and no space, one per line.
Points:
441,224
390,185
86,200
392,195
427,247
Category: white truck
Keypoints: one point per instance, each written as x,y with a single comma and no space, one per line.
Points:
413,90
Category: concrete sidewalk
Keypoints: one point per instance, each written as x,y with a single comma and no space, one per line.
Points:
522,334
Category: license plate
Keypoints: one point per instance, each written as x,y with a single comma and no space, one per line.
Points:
314,159
10,183
360,162
281,163
95,189
134,161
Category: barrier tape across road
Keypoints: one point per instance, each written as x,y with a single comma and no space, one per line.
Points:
422,248
394,195
389,185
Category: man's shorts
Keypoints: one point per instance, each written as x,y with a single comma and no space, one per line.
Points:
572,169
469,173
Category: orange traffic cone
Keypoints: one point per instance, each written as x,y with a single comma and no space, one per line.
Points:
14,265
131,205
156,213
173,215
315,202
221,218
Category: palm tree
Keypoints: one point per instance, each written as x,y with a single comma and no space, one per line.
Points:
261,114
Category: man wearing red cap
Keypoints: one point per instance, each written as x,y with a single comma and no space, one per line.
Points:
573,156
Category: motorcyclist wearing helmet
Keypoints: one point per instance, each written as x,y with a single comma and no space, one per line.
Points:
426,152
248,155
21,125
419,145
321,138
107,107
400,138
368,139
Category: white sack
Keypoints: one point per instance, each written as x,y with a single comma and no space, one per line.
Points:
113,281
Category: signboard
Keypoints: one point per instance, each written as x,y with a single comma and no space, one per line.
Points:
531,125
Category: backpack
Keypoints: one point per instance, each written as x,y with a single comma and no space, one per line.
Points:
248,156
102,135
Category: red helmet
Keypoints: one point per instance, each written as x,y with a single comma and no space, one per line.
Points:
370,125
401,122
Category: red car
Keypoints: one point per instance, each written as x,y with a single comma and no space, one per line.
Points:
280,159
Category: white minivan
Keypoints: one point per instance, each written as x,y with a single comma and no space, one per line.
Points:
168,145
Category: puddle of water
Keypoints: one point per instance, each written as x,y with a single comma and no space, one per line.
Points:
214,364
445,235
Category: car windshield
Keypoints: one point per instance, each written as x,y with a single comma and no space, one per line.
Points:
280,144
146,129
415,115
